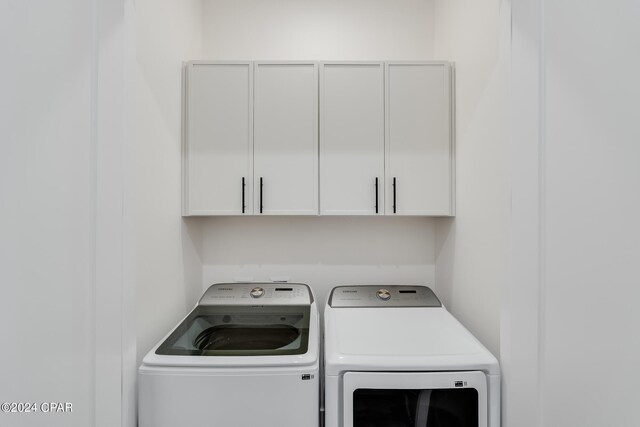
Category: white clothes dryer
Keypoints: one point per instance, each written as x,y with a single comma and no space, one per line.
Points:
395,357
245,356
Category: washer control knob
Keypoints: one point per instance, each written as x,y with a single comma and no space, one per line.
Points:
383,294
257,292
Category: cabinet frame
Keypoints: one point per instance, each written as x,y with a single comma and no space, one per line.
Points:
385,190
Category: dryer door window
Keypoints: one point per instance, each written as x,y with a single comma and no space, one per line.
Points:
415,408
240,331
401,399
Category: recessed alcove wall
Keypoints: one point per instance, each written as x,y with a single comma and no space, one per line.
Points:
321,251
177,258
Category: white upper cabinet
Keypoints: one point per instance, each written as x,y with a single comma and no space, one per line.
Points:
286,138
352,138
295,138
419,122
219,138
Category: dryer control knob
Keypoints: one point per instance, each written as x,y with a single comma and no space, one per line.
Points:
257,292
383,294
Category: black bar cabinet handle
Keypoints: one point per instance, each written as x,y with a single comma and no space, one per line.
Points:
394,194
376,194
261,185
243,186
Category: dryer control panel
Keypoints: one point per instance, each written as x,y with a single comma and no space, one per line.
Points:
257,293
383,296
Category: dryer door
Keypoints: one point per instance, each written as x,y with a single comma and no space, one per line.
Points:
415,399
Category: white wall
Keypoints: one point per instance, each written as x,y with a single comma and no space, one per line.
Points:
582,203
323,252
62,133
471,248
520,323
329,29
162,256
591,206
46,186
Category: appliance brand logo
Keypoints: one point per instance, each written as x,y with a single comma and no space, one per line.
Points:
349,292
225,289
307,377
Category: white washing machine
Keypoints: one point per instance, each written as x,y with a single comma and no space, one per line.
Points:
395,357
246,356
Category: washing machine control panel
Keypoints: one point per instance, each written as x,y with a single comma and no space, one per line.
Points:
257,293
383,296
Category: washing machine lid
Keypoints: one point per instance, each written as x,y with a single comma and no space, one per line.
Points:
240,330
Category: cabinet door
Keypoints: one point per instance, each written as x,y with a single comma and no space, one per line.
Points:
351,139
286,138
419,139
219,138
